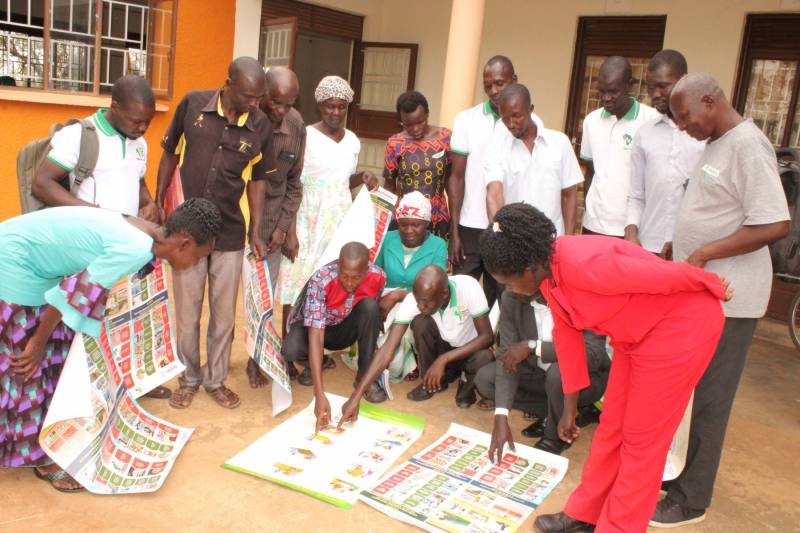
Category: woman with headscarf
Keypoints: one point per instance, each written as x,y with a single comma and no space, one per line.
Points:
329,174
403,254
418,159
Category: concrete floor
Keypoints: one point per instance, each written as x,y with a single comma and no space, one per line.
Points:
758,488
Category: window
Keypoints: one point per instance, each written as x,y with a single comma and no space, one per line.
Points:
767,81
132,37
635,38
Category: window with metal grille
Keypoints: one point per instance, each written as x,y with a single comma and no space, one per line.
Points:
86,44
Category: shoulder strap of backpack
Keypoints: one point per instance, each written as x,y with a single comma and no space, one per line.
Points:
89,151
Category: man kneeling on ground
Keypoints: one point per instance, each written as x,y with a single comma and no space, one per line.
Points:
337,307
526,374
449,318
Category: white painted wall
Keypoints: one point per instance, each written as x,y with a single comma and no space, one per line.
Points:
248,28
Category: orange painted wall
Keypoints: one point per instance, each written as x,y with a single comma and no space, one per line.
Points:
204,47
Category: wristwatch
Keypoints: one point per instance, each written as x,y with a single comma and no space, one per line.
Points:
532,345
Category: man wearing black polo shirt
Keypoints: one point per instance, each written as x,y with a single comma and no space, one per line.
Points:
219,142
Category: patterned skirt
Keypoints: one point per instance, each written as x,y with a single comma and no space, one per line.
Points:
23,405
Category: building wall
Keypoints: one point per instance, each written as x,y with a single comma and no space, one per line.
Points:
540,39
200,63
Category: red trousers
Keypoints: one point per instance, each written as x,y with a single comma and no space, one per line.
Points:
643,406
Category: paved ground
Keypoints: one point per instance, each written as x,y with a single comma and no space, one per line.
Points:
758,488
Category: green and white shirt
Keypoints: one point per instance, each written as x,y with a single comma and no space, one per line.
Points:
607,143
121,164
456,321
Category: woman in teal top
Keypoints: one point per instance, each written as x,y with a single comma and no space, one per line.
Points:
404,253
55,272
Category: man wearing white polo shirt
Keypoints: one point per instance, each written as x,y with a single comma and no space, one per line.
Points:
466,191
528,163
662,160
452,334
606,145
117,182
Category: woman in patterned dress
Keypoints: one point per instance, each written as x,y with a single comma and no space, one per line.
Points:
418,159
57,267
329,174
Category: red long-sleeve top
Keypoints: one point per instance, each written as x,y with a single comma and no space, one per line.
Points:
615,288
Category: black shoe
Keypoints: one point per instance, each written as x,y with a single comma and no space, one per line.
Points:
420,393
669,514
587,415
561,523
304,378
552,446
465,394
535,430
375,394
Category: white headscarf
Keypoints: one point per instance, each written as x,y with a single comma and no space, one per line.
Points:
333,87
414,205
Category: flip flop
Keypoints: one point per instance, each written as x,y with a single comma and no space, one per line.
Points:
55,476
485,404
159,393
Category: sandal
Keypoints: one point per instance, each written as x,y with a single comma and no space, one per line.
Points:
328,362
485,404
159,393
57,475
413,375
225,397
182,398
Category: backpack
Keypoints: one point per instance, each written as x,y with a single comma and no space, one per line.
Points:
32,155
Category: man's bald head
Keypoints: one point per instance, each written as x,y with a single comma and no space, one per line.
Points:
354,251
247,68
353,265
282,89
430,289
616,67
132,88
699,107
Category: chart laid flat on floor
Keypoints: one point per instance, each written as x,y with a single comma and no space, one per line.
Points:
453,486
334,465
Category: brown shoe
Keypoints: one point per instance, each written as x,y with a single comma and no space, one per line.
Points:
159,393
182,398
225,397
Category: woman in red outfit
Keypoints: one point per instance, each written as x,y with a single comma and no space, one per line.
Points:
664,320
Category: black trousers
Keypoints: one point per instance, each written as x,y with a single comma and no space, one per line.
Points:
540,392
587,231
713,400
363,324
473,264
429,345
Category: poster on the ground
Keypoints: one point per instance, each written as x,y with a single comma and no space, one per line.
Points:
139,324
336,464
453,486
261,339
367,221
98,433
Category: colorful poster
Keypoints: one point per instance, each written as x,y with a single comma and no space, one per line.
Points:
367,222
336,464
98,433
261,339
139,323
453,486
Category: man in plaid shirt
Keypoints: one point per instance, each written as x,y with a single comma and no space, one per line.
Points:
338,306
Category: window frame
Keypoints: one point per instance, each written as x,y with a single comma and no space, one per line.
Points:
759,29
41,94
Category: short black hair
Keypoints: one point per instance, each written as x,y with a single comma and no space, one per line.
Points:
515,90
409,101
523,237
501,59
612,66
196,217
671,58
133,88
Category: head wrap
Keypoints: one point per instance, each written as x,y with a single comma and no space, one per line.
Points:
414,205
333,87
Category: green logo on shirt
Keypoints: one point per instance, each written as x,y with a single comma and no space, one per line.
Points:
140,153
628,139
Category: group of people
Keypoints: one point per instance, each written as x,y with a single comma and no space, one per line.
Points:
681,200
